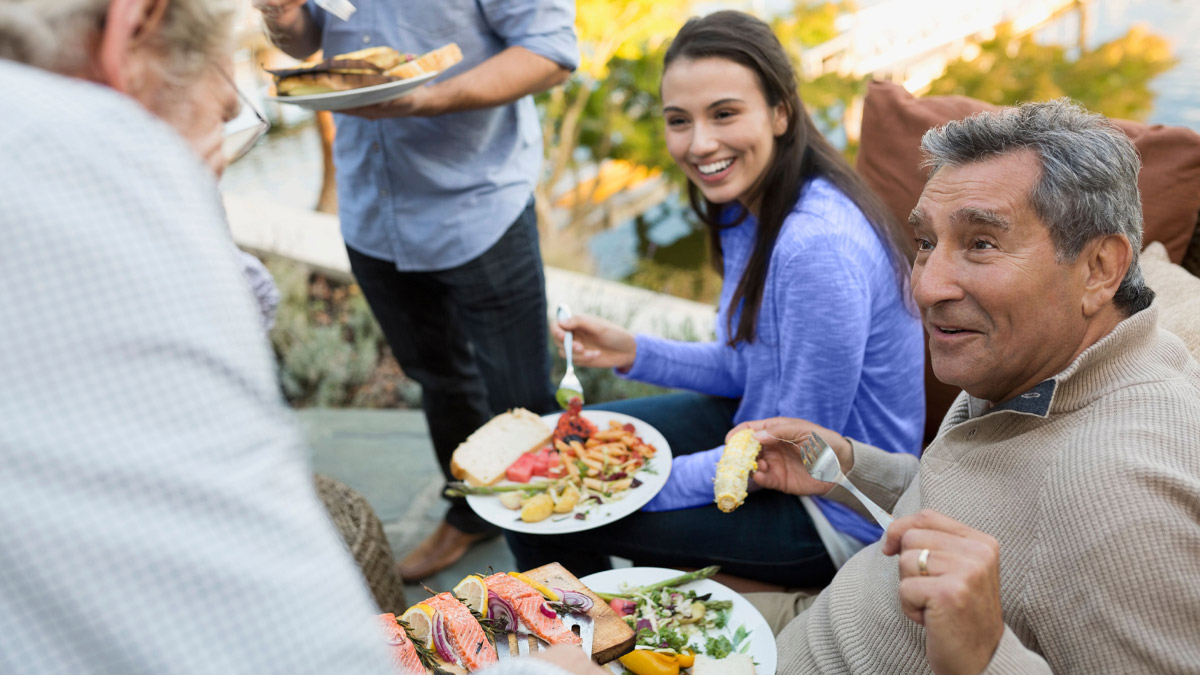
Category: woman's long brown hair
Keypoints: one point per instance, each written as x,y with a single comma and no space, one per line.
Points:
800,153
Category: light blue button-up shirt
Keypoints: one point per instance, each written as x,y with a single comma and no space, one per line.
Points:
432,193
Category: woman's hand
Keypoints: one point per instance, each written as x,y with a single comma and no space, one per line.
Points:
780,466
597,343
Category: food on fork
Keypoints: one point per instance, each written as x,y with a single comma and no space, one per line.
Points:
733,471
484,457
509,595
404,652
362,68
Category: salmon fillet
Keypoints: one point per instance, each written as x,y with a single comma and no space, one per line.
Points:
527,603
465,633
404,652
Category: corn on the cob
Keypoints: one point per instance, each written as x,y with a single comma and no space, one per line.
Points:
733,471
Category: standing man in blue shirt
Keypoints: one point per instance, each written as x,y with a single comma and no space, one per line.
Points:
436,203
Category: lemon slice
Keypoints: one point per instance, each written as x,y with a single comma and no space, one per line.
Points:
540,588
473,591
419,618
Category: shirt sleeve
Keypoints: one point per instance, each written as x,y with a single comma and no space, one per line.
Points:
544,27
698,366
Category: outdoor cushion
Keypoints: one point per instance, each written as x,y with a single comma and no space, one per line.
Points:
1177,296
889,159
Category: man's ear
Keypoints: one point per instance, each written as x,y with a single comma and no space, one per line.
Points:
125,26
1107,260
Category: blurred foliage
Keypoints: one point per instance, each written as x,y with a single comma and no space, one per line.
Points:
1113,79
329,349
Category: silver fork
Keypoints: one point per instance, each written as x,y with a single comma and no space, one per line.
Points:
822,464
570,386
512,645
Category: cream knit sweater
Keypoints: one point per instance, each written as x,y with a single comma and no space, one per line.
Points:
1096,506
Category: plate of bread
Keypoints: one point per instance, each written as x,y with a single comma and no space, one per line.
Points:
560,473
362,78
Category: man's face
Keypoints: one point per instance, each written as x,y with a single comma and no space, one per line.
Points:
199,112
1002,313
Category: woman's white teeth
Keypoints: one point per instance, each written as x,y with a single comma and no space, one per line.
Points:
709,169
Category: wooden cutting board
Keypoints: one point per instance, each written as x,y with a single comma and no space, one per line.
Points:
613,637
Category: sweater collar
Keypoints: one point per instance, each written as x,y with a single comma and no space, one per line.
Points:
1106,364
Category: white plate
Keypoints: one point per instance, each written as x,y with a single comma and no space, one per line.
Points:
762,641
356,98
490,509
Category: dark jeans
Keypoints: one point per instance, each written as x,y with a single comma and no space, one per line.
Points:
474,337
769,538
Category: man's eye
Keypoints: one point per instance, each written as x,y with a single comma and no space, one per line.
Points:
982,245
923,244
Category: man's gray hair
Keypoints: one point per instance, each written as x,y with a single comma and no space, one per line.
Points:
1088,184
59,35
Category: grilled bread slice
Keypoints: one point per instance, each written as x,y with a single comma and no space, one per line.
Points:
430,62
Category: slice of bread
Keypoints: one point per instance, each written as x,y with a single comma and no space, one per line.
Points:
430,62
484,456
734,664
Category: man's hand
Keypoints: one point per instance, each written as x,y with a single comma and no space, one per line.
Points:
597,343
420,102
571,659
958,597
779,464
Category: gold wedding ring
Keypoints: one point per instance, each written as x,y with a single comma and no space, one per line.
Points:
923,562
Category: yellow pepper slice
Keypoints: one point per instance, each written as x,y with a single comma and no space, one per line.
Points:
646,662
686,660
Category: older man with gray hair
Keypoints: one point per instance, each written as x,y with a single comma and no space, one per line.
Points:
1054,523
158,508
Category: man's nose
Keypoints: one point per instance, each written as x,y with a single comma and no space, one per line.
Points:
936,279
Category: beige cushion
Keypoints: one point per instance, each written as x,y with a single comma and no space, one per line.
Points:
1178,296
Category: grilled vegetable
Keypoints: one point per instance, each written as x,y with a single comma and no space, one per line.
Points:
733,471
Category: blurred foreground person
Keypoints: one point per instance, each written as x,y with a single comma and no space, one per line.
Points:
1054,523
158,508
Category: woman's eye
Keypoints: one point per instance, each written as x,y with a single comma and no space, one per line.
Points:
676,121
723,114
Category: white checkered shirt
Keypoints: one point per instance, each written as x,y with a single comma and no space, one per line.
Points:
157,512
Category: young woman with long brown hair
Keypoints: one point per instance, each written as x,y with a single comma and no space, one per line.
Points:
812,321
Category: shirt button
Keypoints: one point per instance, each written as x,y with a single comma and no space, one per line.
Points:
971,433
375,146
366,39
383,193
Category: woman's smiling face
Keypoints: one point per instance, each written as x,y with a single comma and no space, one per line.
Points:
719,127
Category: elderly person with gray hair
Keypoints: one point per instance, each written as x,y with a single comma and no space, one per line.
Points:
1054,523
159,513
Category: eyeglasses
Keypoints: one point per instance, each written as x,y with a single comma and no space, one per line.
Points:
243,131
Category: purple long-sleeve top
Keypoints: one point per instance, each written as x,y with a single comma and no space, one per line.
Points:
836,344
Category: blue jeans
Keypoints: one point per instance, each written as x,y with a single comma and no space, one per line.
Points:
474,337
769,538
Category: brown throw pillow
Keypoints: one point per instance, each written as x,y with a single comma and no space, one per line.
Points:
890,155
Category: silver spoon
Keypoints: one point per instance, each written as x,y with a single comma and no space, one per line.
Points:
570,387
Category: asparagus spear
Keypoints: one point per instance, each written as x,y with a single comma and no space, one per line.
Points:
674,581
460,489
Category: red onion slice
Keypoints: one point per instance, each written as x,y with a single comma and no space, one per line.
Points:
548,610
441,641
574,601
500,610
